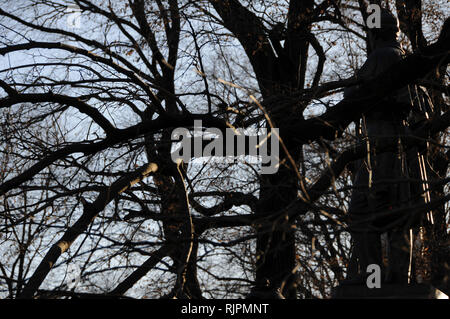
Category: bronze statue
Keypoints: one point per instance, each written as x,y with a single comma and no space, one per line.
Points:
380,184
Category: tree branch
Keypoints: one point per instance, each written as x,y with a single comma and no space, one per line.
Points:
91,210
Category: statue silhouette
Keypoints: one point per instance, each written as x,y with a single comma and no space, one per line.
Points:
380,185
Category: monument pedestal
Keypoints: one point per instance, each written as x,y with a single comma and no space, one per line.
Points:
387,291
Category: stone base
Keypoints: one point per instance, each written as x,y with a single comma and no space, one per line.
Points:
387,291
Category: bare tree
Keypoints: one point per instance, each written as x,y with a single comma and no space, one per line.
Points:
92,90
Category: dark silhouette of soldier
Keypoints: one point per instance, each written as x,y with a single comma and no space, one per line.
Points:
380,181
